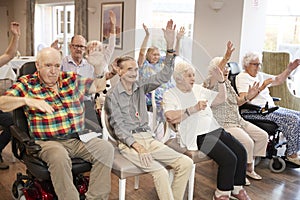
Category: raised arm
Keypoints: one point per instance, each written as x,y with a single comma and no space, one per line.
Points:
179,36
13,45
279,79
142,54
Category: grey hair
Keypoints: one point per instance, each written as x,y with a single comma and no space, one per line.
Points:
180,68
214,63
250,56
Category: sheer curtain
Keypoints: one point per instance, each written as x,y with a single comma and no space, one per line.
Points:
30,7
81,23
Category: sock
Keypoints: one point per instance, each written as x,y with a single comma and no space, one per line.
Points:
236,189
219,193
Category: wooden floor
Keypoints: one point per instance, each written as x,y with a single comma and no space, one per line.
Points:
282,186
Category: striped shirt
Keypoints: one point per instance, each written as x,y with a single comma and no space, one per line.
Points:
68,115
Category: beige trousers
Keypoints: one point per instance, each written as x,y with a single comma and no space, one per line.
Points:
253,138
162,156
58,154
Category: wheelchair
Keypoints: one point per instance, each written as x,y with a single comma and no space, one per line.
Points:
36,183
278,162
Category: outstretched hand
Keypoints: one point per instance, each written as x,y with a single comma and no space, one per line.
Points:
56,45
293,65
180,33
112,17
229,50
253,90
169,34
146,29
15,28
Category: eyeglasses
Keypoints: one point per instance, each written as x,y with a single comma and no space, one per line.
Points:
77,46
255,64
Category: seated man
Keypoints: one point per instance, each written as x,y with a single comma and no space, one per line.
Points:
127,113
53,105
189,104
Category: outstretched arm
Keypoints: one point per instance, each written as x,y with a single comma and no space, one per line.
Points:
169,34
142,54
13,45
279,79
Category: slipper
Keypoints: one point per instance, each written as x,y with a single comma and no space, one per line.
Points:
253,175
295,160
247,182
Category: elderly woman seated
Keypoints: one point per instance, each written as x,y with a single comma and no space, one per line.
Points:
287,120
189,104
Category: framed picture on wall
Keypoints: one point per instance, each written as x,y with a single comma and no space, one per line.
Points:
118,9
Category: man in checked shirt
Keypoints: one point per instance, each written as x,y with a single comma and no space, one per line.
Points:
53,104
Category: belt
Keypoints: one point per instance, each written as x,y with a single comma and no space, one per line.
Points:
64,137
139,129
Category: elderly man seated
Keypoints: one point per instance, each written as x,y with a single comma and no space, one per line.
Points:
53,104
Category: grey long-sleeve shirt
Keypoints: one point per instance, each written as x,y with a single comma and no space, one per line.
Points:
129,112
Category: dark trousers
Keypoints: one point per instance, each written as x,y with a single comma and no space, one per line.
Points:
5,121
229,154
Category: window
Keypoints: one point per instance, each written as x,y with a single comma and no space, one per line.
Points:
56,22
283,34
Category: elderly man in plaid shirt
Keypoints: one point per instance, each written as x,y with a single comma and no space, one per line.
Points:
53,104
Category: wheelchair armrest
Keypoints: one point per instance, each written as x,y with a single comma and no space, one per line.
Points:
31,147
18,134
250,106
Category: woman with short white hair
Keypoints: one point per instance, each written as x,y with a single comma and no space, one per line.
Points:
189,104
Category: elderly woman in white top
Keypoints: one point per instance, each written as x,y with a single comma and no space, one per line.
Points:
189,104
227,114
287,120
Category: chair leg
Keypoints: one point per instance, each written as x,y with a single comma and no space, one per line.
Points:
122,188
136,182
191,183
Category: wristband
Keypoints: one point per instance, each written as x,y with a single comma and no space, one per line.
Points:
171,51
221,82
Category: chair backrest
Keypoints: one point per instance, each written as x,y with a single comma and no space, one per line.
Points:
108,131
275,63
234,71
27,68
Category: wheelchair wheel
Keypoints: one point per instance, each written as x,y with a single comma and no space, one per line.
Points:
277,165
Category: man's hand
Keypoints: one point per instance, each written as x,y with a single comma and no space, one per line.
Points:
39,104
145,157
112,17
56,45
15,28
169,34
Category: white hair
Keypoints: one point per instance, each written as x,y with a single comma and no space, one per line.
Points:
180,68
249,57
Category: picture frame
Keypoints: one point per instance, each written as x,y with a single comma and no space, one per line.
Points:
118,9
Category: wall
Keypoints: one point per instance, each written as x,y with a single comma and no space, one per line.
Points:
253,28
128,25
213,29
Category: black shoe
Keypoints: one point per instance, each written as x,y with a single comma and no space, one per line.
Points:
2,164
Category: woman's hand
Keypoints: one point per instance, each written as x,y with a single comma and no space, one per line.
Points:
180,33
146,29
